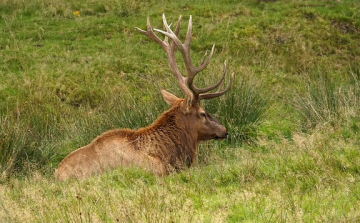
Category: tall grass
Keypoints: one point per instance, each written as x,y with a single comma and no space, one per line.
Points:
27,144
242,110
327,100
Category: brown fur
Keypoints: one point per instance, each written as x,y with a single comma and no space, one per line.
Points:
168,145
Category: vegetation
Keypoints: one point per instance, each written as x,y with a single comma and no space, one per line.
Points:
71,70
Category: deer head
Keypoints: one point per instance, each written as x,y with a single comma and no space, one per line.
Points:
205,126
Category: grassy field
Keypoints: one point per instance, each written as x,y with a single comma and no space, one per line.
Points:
70,70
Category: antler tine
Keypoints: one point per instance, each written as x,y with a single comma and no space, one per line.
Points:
188,34
176,32
150,33
218,92
177,28
206,60
218,84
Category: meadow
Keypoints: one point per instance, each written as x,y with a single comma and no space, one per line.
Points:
70,70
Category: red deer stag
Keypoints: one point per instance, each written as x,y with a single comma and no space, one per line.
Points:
170,143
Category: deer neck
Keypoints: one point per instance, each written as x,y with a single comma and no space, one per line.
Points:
173,123
171,139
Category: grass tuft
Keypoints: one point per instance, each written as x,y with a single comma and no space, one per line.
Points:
327,100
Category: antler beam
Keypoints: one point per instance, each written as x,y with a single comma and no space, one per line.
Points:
186,83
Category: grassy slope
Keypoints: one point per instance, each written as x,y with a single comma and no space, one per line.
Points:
66,78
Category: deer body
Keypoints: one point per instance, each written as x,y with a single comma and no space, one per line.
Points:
170,143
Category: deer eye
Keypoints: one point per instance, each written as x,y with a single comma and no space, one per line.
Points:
203,114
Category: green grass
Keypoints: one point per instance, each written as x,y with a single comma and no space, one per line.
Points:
292,113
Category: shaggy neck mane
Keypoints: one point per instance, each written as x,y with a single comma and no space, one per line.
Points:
171,119
171,138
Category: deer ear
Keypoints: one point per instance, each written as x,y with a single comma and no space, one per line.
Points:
169,98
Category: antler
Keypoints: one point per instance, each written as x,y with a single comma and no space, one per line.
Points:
186,83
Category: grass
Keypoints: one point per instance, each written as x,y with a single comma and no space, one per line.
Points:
254,185
329,99
72,70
